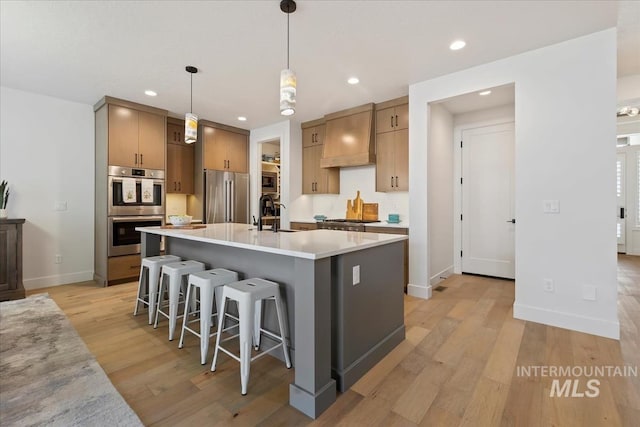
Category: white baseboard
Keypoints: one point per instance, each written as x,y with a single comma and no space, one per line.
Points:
589,325
423,292
438,277
57,279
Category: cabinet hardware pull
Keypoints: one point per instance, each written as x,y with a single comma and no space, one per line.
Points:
313,136
174,186
140,159
396,182
175,137
179,186
396,120
391,121
392,181
136,160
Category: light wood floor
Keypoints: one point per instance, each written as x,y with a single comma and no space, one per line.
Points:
457,365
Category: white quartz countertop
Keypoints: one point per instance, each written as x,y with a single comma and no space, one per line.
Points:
312,244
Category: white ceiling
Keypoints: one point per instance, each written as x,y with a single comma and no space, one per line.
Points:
81,51
500,95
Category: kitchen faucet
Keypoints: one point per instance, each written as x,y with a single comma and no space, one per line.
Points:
262,204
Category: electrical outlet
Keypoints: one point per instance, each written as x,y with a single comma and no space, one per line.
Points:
589,292
548,285
356,274
58,259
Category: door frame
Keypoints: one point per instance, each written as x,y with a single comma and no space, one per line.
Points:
457,188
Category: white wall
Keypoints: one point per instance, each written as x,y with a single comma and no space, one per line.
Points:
46,154
576,247
440,194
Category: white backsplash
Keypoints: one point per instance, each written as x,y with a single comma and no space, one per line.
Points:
176,204
352,179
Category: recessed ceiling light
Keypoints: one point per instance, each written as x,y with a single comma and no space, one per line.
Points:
242,118
484,93
150,93
353,80
457,45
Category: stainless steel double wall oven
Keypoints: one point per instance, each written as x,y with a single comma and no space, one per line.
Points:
128,209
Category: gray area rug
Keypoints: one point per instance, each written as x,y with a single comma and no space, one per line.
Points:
47,374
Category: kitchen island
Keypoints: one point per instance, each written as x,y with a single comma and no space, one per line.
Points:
343,292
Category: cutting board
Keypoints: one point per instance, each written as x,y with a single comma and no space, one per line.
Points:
185,227
370,211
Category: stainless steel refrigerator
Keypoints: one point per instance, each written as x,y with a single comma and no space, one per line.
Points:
226,197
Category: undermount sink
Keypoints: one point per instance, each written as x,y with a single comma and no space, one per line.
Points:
280,230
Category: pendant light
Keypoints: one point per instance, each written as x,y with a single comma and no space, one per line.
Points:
287,76
190,119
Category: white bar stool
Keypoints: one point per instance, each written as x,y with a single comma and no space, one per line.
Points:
247,293
208,282
177,272
151,266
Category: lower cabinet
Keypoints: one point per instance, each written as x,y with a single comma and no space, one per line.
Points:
11,286
124,267
303,226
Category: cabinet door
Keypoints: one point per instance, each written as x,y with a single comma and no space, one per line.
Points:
319,135
175,134
237,152
173,168
214,149
151,137
402,117
385,173
186,169
385,120
309,167
328,179
401,160
308,137
123,136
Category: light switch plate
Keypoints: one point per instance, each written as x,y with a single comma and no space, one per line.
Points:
551,206
356,274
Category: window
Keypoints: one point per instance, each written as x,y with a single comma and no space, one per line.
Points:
638,189
619,177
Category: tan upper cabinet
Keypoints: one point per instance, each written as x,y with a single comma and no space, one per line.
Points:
317,180
392,145
180,159
136,138
179,178
175,132
392,117
313,133
225,149
392,161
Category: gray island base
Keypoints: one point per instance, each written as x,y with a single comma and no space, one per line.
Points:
338,329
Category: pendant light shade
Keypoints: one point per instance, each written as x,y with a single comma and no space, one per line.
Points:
287,76
287,92
190,119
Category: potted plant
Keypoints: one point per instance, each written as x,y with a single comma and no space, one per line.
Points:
4,198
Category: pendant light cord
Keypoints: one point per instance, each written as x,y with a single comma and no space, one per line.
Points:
288,41
191,108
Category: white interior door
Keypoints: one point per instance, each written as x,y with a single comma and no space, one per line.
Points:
488,221
621,201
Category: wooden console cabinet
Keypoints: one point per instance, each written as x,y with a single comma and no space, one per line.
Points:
11,286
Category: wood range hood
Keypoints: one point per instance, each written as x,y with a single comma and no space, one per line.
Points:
349,138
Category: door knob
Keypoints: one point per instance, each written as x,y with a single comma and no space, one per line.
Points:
512,221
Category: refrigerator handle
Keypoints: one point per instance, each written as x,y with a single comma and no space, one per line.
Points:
226,201
232,200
